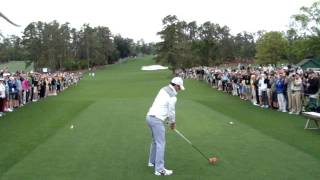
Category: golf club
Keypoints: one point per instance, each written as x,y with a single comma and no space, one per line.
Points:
212,160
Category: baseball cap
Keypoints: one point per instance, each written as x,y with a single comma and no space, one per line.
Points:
178,81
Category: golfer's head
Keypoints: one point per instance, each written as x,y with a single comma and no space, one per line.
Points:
177,82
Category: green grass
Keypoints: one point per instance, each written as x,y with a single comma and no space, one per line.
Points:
14,66
110,139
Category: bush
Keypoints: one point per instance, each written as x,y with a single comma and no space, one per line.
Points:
71,65
83,64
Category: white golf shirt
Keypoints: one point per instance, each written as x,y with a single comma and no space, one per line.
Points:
164,104
2,90
262,86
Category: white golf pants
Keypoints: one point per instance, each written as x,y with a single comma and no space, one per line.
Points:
158,142
281,102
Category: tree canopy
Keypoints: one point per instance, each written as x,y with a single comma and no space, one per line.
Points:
185,44
60,47
271,48
304,34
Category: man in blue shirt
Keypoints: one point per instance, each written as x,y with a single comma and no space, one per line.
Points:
280,89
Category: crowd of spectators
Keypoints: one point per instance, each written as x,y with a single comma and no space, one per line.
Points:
20,88
287,89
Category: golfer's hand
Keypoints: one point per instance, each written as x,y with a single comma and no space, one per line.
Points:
173,126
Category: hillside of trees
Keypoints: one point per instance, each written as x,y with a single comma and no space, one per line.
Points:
183,44
59,47
187,44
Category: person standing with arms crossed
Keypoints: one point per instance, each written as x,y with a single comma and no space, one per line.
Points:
162,111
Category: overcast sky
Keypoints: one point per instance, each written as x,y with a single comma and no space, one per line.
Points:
141,19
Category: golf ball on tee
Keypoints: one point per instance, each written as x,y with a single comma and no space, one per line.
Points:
231,122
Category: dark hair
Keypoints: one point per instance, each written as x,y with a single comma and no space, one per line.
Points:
173,84
287,73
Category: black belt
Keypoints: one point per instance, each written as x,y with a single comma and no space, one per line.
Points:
296,91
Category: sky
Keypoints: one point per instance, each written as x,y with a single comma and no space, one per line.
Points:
142,19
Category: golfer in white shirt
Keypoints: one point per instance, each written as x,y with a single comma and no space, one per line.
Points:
162,111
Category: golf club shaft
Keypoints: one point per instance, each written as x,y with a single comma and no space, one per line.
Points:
183,137
199,152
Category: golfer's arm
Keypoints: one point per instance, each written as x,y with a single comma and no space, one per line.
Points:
172,110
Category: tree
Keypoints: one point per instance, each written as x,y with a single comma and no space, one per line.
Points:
16,51
271,48
308,21
244,46
5,48
123,46
105,46
225,45
304,34
186,45
298,50
217,44
167,53
59,47
32,43
306,27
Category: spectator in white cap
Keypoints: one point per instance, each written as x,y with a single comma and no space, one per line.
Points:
162,111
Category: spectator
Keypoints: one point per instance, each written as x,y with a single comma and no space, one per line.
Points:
42,90
289,82
280,88
253,89
296,88
312,90
12,92
263,85
54,86
225,80
274,99
246,79
2,96
15,89
19,91
267,86
270,89
6,104
26,90
256,87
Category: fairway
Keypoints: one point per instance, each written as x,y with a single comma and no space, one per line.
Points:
14,66
110,138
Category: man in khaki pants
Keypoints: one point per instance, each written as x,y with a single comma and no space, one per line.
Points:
296,88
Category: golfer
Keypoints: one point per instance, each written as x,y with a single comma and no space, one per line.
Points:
162,111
